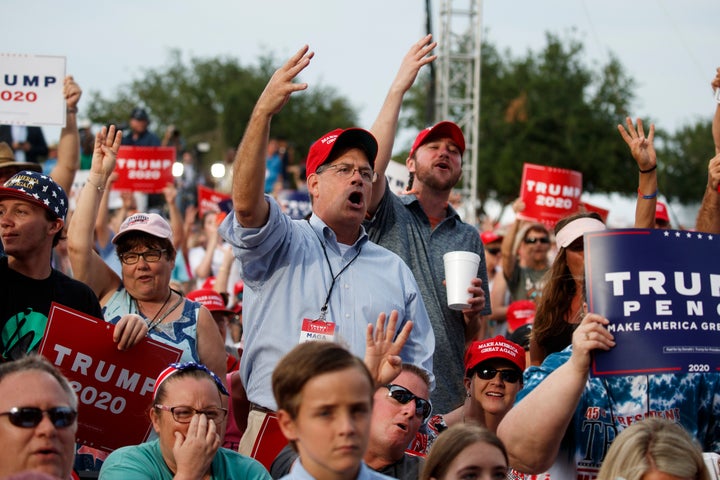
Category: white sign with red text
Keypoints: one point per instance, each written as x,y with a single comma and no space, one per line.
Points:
31,89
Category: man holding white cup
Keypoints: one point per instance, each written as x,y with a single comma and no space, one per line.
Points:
421,226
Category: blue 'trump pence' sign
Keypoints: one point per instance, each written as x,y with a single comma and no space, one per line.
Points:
660,289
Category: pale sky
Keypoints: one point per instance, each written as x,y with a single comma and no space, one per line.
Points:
670,47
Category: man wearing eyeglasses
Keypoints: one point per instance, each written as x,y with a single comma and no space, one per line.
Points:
32,215
38,421
315,279
399,410
421,226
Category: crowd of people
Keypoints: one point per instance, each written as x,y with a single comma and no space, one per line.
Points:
323,346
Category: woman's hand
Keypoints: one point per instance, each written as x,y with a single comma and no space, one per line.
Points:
194,452
129,331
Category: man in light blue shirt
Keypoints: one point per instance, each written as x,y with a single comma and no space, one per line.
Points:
315,279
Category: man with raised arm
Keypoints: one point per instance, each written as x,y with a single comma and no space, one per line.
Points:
315,279
422,226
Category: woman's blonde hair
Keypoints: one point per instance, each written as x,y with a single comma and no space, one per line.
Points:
654,444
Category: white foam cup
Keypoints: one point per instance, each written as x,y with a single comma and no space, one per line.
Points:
460,269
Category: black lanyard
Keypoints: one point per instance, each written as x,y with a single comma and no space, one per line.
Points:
323,310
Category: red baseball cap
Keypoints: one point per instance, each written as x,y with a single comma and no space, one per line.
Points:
498,347
489,236
661,212
519,313
440,130
211,299
323,148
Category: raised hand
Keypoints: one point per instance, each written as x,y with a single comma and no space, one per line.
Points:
107,143
382,348
641,148
414,60
281,85
71,92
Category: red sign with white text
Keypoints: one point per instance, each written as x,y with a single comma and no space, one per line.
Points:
144,169
209,200
114,387
549,193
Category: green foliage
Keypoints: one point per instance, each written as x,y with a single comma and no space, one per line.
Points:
545,107
683,161
211,100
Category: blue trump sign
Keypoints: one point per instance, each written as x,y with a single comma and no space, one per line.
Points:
660,289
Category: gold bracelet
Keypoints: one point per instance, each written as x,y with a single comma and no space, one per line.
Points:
99,188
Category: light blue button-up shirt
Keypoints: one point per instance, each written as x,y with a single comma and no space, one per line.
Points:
366,473
287,279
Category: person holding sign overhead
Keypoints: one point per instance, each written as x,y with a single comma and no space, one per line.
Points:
144,244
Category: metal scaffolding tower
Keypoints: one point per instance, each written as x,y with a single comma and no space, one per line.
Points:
458,83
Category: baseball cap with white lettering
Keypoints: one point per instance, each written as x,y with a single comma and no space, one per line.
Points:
150,223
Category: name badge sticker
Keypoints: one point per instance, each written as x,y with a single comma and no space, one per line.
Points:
314,330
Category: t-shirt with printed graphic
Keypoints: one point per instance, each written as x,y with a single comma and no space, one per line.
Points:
25,305
610,404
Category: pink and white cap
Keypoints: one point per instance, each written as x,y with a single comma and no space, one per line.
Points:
150,223
575,229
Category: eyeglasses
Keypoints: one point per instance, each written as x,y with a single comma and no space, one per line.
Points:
577,245
404,396
30,417
510,376
150,256
184,414
533,240
493,251
345,170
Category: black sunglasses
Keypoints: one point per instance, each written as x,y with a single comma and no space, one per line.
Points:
577,245
533,240
403,395
30,417
510,376
492,251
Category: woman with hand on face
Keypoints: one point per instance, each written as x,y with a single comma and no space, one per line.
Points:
188,414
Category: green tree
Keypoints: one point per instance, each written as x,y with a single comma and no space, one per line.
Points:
547,108
210,99
683,162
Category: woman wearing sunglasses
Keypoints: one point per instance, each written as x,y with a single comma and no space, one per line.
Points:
493,377
560,307
188,414
38,421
